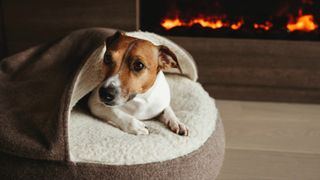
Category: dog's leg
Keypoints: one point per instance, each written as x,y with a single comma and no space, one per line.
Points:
123,121
169,118
127,122
117,118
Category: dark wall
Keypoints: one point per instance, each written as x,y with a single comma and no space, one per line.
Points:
2,41
228,68
257,70
30,22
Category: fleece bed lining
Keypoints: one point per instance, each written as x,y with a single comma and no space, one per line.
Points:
95,141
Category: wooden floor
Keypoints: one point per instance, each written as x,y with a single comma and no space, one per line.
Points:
270,141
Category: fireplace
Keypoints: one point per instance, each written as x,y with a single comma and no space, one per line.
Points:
265,19
244,64
264,50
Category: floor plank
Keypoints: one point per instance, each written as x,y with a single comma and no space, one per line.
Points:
270,141
271,126
268,165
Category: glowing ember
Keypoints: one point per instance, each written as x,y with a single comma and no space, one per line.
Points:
206,23
302,23
237,25
171,23
266,26
213,23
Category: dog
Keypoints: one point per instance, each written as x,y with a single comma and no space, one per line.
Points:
135,88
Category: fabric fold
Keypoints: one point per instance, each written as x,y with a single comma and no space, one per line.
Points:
40,86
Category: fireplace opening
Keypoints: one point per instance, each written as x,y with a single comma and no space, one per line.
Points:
265,19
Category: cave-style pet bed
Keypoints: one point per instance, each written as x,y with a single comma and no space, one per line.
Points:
47,133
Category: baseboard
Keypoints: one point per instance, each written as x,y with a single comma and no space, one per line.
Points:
260,93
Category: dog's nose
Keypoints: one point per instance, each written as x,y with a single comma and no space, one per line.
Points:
107,94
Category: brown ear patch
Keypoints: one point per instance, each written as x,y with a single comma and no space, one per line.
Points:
167,59
110,40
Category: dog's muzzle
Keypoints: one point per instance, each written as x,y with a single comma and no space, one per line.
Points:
108,95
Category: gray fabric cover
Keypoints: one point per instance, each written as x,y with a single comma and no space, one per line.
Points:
38,89
204,163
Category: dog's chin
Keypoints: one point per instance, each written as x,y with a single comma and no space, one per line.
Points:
118,103
112,104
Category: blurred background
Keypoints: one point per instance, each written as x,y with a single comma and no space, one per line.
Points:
259,59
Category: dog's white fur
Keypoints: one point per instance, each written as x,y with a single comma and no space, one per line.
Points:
151,103
154,103
114,81
144,106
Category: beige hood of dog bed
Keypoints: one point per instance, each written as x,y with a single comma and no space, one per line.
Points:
43,132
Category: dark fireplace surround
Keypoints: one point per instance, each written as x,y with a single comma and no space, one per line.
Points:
229,68
250,19
276,69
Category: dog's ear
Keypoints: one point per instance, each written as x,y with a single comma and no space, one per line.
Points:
167,59
114,38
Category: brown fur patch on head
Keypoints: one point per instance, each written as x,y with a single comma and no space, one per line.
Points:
112,39
145,53
126,52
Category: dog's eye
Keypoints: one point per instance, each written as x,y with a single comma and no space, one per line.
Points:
137,66
107,59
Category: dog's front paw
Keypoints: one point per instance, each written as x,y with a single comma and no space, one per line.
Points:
178,127
136,127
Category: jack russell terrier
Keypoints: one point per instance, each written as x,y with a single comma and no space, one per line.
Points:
135,87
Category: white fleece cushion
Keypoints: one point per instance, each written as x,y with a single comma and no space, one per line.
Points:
95,141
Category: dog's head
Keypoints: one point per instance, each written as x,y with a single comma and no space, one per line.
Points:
132,65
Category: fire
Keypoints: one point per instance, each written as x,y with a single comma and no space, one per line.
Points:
302,23
237,25
265,26
171,23
207,23
213,23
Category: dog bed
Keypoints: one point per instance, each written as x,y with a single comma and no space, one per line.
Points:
47,133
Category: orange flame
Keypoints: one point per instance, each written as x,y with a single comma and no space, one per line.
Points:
215,23
171,23
266,26
237,25
302,23
207,23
